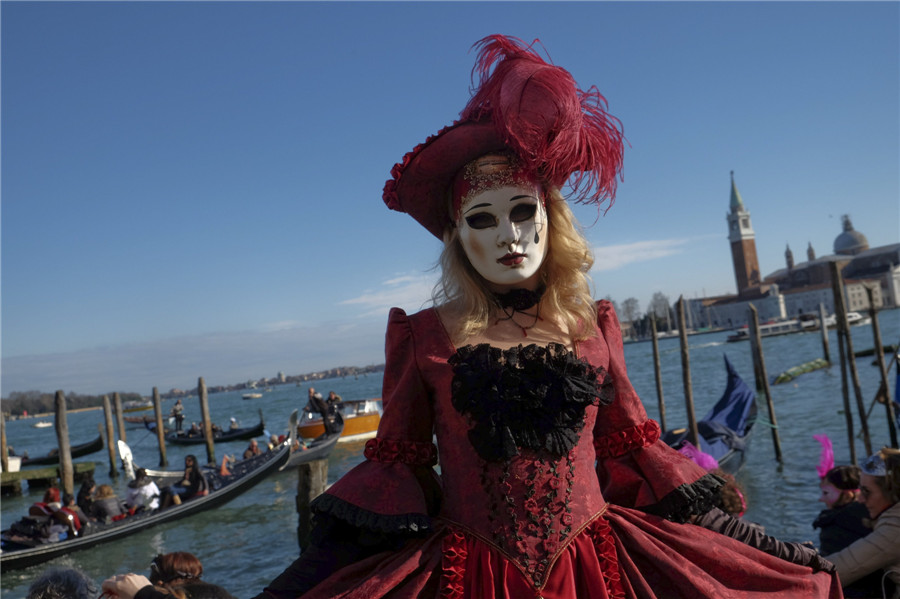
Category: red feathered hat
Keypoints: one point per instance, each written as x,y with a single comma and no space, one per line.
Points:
524,104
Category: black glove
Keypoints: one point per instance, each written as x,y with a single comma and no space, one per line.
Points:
718,521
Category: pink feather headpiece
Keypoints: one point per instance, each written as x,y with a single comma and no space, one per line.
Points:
826,458
700,457
524,104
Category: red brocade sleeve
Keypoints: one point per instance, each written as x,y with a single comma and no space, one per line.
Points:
395,489
635,468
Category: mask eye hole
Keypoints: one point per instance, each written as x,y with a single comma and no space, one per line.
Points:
481,220
522,212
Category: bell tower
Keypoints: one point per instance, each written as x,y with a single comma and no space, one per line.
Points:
743,243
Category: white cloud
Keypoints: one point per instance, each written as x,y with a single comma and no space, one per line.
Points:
408,291
612,257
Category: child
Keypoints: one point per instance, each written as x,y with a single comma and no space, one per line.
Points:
843,520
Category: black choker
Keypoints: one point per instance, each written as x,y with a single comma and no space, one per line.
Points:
517,301
520,299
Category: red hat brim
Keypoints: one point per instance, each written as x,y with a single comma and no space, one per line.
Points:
421,182
528,106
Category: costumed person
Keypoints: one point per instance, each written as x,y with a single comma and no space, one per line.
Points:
545,448
879,551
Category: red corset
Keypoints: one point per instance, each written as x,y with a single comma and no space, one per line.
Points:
529,507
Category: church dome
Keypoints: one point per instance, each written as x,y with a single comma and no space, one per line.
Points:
850,241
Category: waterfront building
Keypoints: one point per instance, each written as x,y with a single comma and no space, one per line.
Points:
798,288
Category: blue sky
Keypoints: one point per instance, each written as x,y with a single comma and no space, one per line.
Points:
194,189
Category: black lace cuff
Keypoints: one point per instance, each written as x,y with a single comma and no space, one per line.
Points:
688,500
403,524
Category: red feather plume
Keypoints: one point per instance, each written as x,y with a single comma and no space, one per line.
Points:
559,131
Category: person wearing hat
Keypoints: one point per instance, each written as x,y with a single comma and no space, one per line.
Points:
879,551
545,448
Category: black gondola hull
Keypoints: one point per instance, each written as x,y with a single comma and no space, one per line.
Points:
222,490
77,452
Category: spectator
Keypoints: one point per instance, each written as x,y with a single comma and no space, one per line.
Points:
62,583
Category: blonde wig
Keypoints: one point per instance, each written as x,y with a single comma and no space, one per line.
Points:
564,273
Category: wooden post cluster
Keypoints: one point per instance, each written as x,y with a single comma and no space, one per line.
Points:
845,339
693,433
658,371
762,377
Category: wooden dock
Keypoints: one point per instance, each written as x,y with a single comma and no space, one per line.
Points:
11,482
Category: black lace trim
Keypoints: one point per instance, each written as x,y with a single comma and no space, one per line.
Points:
531,397
405,524
688,500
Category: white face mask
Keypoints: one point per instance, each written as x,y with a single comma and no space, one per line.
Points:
504,234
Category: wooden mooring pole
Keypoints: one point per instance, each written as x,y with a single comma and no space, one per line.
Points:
845,395
312,479
879,353
120,417
823,328
207,422
762,378
657,369
160,430
840,310
4,448
693,433
110,437
66,472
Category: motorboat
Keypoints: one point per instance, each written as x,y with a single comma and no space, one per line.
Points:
361,418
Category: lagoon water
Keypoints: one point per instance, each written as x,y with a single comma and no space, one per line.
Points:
250,540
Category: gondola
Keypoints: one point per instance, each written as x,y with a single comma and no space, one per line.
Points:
319,448
249,432
77,452
725,430
222,488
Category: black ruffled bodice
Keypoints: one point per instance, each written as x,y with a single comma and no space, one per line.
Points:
531,397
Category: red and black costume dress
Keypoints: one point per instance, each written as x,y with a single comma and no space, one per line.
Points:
544,453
